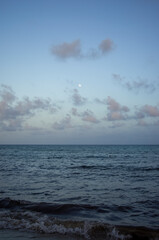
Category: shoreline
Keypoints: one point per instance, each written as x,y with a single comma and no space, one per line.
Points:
9,234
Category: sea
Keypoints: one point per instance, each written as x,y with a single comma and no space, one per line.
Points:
103,192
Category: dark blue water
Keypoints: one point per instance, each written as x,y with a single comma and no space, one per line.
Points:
117,185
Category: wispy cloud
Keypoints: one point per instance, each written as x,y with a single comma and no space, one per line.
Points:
77,99
143,123
63,124
14,112
73,49
103,101
74,112
135,85
87,116
116,125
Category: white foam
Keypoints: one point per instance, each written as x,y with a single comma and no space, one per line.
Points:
115,235
39,223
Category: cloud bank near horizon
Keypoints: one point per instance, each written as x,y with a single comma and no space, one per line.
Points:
14,112
82,115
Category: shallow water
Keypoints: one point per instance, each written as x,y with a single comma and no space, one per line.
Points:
113,185
14,235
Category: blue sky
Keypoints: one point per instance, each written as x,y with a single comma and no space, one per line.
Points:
79,72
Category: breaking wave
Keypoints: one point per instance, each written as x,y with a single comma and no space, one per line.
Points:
40,217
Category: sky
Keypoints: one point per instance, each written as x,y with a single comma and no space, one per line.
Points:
79,72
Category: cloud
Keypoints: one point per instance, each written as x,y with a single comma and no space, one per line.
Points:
63,124
73,49
151,111
104,101
77,99
113,105
142,123
88,116
116,125
7,94
115,110
114,116
12,125
135,85
74,112
67,50
147,111
14,112
106,46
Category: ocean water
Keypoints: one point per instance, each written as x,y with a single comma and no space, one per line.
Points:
80,191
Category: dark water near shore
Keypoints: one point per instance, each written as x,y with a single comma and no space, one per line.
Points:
76,189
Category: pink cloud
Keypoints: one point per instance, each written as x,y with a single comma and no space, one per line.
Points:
116,111
67,50
112,104
73,49
147,111
89,117
151,111
106,45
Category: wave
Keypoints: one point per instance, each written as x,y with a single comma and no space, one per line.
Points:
61,209
31,221
91,167
43,207
37,217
